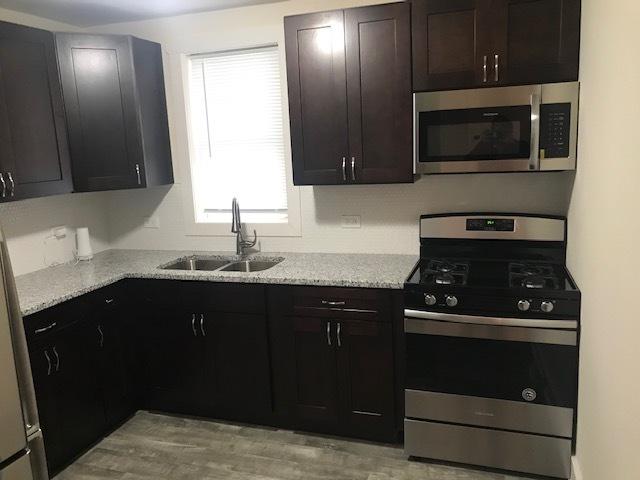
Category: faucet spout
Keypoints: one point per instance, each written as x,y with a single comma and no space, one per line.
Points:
236,227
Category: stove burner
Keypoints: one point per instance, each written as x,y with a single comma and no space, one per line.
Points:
445,272
533,282
446,267
445,279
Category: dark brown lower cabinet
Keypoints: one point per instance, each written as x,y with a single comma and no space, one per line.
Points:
333,373
313,358
68,393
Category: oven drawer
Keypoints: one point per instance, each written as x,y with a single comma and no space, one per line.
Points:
517,452
489,412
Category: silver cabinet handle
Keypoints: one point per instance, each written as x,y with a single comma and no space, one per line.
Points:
101,336
55,352
344,170
44,329
193,325
46,354
484,70
329,333
4,186
138,173
202,325
353,168
496,67
338,335
332,303
13,184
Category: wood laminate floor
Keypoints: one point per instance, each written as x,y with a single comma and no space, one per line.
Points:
151,446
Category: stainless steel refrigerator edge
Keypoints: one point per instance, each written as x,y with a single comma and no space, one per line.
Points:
22,455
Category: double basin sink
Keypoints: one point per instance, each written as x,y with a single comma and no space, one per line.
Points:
230,264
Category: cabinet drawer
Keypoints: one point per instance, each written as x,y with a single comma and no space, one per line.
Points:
53,319
340,302
223,297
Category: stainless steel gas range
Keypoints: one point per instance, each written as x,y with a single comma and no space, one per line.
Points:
492,334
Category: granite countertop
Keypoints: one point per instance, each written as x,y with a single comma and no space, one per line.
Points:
44,288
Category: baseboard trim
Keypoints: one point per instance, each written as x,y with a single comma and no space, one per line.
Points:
576,473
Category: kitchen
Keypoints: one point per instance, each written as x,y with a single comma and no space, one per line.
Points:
199,352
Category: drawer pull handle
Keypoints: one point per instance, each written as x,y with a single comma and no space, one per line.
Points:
193,325
339,336
44,329
329,333
333,303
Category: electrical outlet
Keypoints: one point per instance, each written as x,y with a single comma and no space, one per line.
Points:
350,221
59,232
152,222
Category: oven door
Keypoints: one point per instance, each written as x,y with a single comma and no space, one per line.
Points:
505,366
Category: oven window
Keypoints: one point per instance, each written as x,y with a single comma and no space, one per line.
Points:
492,368
475,134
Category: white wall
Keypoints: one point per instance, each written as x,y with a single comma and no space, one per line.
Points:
27,224
389,213
604,248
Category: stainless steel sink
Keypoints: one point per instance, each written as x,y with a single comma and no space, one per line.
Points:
251,265
198,263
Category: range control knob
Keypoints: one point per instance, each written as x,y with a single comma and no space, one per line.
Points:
546,306
524,305
429,299
451,300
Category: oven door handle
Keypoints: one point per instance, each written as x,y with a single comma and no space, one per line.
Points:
491,332
495,321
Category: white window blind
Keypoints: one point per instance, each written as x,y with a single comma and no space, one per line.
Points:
237,134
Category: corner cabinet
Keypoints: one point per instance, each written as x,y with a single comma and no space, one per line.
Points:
34,156
483,43
115,103
350,104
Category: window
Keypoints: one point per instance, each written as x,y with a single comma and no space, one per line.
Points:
237,136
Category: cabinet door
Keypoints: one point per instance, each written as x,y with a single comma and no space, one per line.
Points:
311,372
450,41
79,407
42,367
116,378
104,132
316,75
365,370
237,360
33,138
378,52
173,362
538,40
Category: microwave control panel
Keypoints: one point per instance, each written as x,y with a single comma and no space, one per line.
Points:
555,122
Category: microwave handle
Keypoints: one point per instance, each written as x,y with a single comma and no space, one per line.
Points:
534,154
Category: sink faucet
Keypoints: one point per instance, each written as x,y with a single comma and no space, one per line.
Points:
236,227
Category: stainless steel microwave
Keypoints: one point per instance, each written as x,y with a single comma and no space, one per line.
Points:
504,129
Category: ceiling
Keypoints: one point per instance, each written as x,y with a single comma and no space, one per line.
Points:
86,13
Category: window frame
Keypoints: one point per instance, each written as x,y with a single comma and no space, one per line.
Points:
292,228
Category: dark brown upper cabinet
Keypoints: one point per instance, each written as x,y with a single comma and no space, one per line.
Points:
349,78
116,111
34,157
484,43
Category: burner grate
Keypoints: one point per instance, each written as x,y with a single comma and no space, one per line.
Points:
533,276
445,272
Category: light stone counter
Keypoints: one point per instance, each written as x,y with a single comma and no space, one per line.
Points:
45,288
